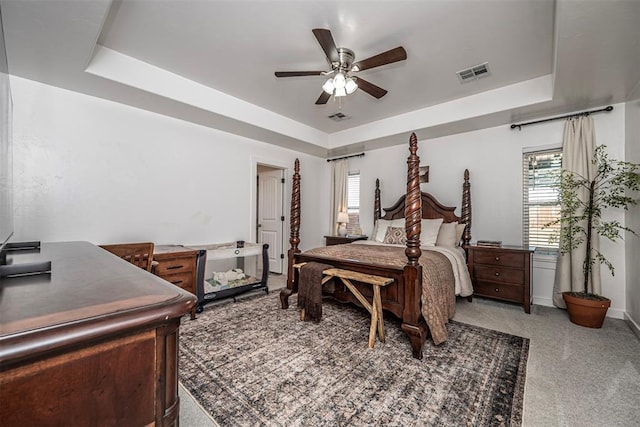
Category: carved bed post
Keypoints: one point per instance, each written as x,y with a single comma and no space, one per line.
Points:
466,208
412,322
294,238
413,205
376,203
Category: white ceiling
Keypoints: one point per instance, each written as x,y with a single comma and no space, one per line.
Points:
212,62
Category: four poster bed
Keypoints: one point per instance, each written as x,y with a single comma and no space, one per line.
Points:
425,280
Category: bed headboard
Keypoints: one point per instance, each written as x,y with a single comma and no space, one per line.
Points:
431,208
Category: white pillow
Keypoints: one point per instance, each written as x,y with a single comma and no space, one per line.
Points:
429,232
459,232
381,227
447,235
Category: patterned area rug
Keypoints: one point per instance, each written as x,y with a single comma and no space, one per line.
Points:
252,363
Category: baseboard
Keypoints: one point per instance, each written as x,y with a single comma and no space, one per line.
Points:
633,325
615,313
612,312
547,302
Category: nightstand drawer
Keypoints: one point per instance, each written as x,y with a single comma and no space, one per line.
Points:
176,265
181,280
500,291
499,274
511,259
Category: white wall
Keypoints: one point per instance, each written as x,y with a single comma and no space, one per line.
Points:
89,169
632,243
494,159
94,170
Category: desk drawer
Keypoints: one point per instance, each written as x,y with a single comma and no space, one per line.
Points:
511,259
499,274
500,291
181,280
174,266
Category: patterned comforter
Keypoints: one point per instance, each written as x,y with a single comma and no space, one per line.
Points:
438,280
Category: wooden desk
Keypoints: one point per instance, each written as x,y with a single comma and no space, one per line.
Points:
93,343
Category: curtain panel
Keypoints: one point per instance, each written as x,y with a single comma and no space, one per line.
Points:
339,178
578,148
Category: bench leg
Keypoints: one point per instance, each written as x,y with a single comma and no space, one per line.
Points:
378,307
374,326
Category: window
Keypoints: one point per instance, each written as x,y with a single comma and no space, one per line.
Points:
353,202
541,181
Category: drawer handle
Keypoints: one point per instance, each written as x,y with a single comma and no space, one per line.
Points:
177,282
237,251
497,273
173,267
497,290
497,258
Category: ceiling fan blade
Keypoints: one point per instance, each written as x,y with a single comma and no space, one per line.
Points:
326,42
388,57
298,73
370,88
324,97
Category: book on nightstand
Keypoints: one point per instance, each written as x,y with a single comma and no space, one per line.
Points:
491,243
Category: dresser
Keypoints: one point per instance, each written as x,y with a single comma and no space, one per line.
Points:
339,240
177,265
95,342
502,273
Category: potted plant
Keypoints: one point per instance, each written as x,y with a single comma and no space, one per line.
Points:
581,217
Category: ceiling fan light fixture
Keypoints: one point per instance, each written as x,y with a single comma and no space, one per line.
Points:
350,86
339,81
340,91
328,86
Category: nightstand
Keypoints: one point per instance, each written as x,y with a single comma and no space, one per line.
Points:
502,273
339,240
177,265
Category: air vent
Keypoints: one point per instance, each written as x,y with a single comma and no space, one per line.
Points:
474,73
338,117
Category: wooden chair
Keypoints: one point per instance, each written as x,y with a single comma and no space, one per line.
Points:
139,254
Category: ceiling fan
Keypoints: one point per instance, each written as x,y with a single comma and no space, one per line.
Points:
341,82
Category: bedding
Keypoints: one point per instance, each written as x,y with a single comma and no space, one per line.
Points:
456,256
437,296
423,309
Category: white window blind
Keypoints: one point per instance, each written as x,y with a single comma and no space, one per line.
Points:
541,181
353,201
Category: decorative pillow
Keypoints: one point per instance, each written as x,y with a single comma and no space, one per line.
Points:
381,227
395,236
447,235
459,232
429,233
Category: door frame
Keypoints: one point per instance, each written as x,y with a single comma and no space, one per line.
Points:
286,199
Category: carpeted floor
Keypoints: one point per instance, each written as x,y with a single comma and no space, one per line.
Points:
251,363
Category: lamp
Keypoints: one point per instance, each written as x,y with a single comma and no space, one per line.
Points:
342,219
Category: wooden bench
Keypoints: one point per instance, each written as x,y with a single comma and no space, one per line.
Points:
374,308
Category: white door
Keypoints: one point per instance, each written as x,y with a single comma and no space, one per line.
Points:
271,215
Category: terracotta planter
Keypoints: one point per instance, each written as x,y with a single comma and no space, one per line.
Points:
586,312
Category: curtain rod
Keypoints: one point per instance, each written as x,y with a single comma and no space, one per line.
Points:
584,113
345,157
